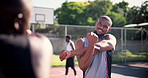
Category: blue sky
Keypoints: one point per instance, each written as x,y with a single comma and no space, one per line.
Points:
57,3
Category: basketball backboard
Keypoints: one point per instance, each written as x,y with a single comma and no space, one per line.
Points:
42,15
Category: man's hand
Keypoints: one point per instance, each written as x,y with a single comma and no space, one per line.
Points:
65,54
92,37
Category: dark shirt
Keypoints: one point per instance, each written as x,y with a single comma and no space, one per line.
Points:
15,57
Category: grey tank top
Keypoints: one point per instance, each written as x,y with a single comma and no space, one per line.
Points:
98,67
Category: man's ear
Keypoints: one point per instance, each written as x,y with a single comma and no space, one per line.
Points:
96,25
16,26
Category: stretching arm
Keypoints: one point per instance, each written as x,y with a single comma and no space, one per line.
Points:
85,59
107,44
79,51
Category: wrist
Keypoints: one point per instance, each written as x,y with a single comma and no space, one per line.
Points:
71,53
92,44
90,41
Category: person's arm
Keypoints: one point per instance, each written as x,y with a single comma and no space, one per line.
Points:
42,50
66,54
107,44
72,46
85,59
77,52
79,45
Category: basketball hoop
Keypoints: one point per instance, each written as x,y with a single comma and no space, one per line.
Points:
42,15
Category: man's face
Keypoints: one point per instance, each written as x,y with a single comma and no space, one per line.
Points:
67,40
102,26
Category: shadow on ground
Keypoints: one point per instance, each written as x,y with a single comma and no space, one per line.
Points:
126,70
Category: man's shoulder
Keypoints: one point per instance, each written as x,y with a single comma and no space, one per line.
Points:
39,41
39,37
71,42
80,40
109,36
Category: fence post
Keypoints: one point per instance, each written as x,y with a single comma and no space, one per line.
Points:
121,39
142,39
65,30
125,39
122,45
33,28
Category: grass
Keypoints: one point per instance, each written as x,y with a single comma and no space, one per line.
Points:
117,58
56,61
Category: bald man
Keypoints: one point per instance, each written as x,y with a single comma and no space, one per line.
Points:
94,52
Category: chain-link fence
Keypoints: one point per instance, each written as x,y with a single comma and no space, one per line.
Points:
133,40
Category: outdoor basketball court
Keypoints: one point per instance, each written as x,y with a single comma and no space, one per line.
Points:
45,16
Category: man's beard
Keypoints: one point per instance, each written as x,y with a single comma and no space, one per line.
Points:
99,35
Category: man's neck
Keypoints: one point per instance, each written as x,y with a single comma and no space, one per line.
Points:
99,35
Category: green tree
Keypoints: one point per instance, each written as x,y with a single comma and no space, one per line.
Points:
133,15
79,13
72,13
118,20
97,9
137,14
121,8
144,12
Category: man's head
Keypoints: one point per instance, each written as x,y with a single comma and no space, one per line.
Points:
15,16
68,38
103,25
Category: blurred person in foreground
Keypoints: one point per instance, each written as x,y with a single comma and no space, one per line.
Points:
94,52
22,54
70,62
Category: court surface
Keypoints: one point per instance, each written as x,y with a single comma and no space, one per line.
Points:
130,70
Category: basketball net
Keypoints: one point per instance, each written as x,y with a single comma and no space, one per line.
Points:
42,25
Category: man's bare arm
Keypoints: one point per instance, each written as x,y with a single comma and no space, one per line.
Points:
85,59
107,44
73,46
79,51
